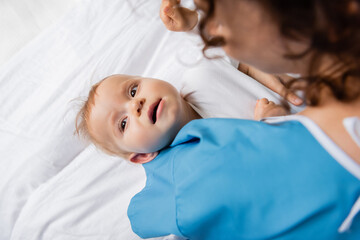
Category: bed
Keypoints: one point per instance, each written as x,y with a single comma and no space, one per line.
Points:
55,186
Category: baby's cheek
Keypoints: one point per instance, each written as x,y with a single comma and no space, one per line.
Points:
146,140
156,142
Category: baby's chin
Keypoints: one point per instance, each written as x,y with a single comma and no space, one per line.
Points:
162,143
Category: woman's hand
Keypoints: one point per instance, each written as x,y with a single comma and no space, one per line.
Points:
176,18
272,82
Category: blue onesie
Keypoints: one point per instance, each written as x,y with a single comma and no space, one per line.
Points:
240,179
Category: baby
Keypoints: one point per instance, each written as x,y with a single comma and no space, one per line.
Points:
135,117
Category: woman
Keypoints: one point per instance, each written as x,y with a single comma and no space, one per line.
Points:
317,40
304,179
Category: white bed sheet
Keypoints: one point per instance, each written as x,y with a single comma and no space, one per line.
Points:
52,185
22,20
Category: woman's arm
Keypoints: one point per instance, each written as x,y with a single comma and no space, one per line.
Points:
273,82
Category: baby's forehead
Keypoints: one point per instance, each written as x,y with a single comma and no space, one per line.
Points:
113,80
119,78
99,129
108,85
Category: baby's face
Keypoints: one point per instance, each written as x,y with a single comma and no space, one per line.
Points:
136,115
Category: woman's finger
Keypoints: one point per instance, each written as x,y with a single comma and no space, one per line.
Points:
294,99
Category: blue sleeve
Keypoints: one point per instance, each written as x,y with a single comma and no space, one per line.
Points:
152,212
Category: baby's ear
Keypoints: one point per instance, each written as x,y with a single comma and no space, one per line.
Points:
142,157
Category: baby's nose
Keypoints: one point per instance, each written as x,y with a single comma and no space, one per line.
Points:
137,105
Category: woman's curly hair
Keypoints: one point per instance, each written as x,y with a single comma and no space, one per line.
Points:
333,28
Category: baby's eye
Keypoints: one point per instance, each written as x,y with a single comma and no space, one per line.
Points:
133,90
122,124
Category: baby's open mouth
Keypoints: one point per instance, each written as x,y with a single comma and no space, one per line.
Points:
154,114
153,110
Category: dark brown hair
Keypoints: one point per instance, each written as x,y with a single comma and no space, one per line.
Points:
333,28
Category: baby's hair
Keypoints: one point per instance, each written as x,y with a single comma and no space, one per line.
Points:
82,122
82,118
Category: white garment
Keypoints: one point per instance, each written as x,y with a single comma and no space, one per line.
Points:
217,89
352,125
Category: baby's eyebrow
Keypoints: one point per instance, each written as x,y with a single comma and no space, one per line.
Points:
113,119
125,85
